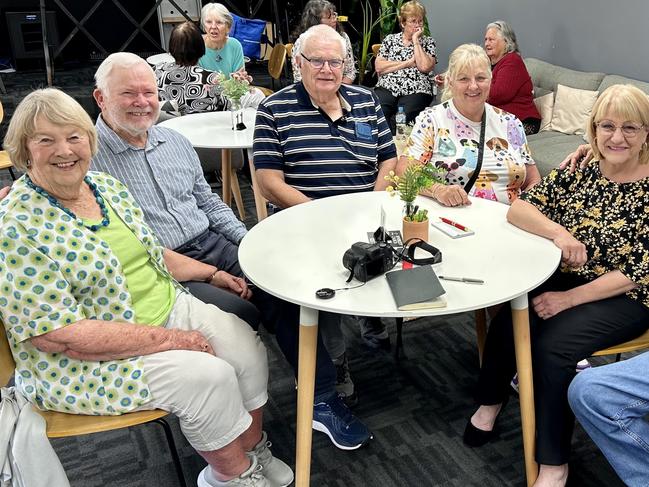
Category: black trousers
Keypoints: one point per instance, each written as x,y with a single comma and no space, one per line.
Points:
412,104
557,345
279,317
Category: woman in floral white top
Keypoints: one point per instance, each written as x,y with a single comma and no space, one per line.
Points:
95,317
404,63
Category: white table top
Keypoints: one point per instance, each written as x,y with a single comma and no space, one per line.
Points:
163,57
213,130
299,250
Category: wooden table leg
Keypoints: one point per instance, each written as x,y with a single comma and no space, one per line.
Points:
305,392
521,319
260,201
226,171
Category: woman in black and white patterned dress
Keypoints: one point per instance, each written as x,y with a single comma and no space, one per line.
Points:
404,63
183,86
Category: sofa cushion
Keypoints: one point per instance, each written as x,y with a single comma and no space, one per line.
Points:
545,105
572,109
547,76
549,148
614,79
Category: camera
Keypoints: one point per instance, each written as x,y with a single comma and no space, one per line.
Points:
366,261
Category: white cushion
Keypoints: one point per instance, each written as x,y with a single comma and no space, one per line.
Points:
572,109
545,105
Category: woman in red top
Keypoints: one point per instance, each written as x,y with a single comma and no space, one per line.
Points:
511,85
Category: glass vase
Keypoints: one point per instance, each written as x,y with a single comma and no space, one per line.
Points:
236,114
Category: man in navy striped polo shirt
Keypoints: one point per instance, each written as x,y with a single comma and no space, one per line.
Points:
320,138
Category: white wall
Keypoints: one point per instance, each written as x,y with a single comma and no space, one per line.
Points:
609,36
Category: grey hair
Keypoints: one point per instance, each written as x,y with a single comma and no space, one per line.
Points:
117,59
218,9
320,31
464,56
507,33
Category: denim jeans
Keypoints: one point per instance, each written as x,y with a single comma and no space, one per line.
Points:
611,403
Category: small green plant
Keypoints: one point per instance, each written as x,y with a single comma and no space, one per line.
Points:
233,88
414,179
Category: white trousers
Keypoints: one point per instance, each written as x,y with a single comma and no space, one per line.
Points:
211,395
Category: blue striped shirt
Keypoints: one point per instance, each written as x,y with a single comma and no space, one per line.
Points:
167,180
318,156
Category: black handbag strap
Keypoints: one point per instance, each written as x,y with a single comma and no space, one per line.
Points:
469,184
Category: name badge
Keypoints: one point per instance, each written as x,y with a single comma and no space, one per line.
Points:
363,131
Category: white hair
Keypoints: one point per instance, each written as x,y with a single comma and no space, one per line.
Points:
320,31
117,59
216,9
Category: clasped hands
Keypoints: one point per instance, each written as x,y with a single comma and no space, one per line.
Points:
234,284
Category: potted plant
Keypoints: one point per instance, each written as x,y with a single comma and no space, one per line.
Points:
414,179
234,88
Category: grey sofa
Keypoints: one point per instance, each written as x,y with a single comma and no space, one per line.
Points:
551,147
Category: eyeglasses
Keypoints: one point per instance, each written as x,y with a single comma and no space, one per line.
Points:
415,21
218,23
318,63
628,129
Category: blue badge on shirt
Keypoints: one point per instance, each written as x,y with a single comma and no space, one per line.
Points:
363,131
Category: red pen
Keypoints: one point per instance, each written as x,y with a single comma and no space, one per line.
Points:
454,224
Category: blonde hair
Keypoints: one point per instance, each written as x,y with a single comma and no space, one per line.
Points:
411,9
56,107
627,102
464,56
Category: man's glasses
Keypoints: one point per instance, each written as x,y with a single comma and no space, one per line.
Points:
629,129
318,63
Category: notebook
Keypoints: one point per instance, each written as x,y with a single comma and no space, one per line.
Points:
450,230
416,288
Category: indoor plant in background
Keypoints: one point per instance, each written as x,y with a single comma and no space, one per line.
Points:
414,179
234,89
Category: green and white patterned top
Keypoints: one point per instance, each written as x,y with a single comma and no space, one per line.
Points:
55,272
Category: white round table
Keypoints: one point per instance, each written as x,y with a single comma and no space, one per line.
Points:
300,249
163,57
213,130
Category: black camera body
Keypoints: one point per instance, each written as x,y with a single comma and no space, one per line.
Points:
366,261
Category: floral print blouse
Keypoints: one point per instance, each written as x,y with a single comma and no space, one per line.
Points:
611,219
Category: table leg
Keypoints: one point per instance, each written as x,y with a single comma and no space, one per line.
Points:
236,191
226,171
260,201
305,392
521,319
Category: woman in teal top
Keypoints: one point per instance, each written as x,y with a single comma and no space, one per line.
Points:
93,311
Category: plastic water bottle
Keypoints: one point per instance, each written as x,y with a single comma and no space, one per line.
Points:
400,120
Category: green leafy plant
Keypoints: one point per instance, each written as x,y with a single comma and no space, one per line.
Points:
414,179
233,88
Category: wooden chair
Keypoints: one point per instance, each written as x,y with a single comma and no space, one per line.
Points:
289,49
276,62
61,425
5,162
375,49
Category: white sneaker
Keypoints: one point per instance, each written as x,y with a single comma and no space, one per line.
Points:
252,477
276,471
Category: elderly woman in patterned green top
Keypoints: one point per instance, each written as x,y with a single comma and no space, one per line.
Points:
96,319
599,297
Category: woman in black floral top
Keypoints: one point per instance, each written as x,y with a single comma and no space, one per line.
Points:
598,216
404,63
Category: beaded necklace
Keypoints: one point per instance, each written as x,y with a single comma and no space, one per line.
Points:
93,187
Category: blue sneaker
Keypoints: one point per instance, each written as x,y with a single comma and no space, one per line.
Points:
344,429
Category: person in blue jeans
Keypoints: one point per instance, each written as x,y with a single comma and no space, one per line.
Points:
611,403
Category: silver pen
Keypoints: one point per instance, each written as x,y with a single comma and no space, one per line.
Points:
469,280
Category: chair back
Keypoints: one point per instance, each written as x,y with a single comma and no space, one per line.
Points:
289,49
375,49
632,345
2,113
277,59
7,364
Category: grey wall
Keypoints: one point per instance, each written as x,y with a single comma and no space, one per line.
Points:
587,35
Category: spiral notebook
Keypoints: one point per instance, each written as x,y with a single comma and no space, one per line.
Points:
416,288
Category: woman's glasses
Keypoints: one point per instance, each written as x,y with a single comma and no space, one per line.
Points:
629,129
318,63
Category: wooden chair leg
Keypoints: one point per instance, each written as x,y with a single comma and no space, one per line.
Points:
481,330
236,192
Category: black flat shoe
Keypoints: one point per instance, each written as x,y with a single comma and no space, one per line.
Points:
475,437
